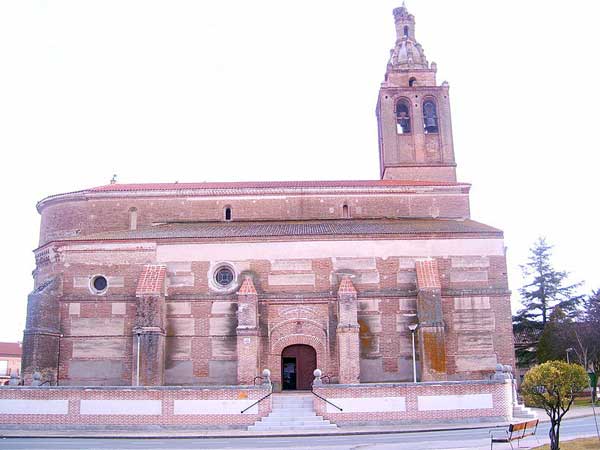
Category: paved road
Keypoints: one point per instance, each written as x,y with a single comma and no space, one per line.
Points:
458,439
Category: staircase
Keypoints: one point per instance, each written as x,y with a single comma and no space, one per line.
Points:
292,412
523,412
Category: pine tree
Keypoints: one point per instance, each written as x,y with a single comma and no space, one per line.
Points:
546,289
554,340
592,307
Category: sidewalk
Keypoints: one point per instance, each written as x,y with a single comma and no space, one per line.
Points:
191,433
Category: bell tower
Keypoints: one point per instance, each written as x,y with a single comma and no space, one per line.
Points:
413,113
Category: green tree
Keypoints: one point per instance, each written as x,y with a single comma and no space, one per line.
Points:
555,338
587,336
552,386
592,307
546,288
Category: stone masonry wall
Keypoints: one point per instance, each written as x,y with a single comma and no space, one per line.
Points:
81,217
297,304
416,403
99,408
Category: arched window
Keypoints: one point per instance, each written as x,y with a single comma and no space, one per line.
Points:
430,118
412,82
133,219
345,211
227,213
406,31
403,117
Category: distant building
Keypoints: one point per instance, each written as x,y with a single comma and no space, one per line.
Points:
209,283
10,359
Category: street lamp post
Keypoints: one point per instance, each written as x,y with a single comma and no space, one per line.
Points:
569,350
413,327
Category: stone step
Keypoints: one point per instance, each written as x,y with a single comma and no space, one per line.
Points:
286,413
291,424
284,420
308,401
292,406
292,413
290,402
523,412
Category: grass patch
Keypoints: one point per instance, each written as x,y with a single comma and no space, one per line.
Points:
577,444
581,401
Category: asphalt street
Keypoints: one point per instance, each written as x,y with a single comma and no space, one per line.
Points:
456,439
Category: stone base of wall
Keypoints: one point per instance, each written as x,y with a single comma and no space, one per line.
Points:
409,403
219,408
108,408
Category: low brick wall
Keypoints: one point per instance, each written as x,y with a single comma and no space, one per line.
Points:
113,407
432,402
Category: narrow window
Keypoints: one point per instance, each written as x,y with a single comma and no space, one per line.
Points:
412,82
228,214
406,31
133,219
402,117
345,212
430,118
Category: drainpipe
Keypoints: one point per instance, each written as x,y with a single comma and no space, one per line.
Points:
60,336
137,369
412,329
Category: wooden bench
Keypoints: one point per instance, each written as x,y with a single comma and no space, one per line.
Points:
515,432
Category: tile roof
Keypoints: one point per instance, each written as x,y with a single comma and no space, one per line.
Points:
264,184
346,286
428,276
223,230
152,280
247,287
10,349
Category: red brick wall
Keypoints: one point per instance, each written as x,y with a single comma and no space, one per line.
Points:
76,217
166,396
501,405
383,314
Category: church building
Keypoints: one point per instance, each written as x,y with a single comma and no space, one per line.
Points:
210,283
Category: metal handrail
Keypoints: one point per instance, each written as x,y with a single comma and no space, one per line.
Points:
258,401
324,399
328,379
257,378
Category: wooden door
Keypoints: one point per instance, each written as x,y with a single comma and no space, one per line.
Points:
305,363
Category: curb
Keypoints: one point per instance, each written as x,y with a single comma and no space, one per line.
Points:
248,435
8,434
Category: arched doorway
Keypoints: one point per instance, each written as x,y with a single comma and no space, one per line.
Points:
298,363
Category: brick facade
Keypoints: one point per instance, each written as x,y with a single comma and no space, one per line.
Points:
212,281
97,408
423,403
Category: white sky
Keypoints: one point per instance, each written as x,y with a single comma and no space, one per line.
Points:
233,90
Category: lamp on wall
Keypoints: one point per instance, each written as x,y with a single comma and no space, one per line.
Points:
413,327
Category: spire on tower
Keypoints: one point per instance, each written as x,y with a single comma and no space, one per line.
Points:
407,53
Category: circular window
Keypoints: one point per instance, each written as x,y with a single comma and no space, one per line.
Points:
99,284
224,276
